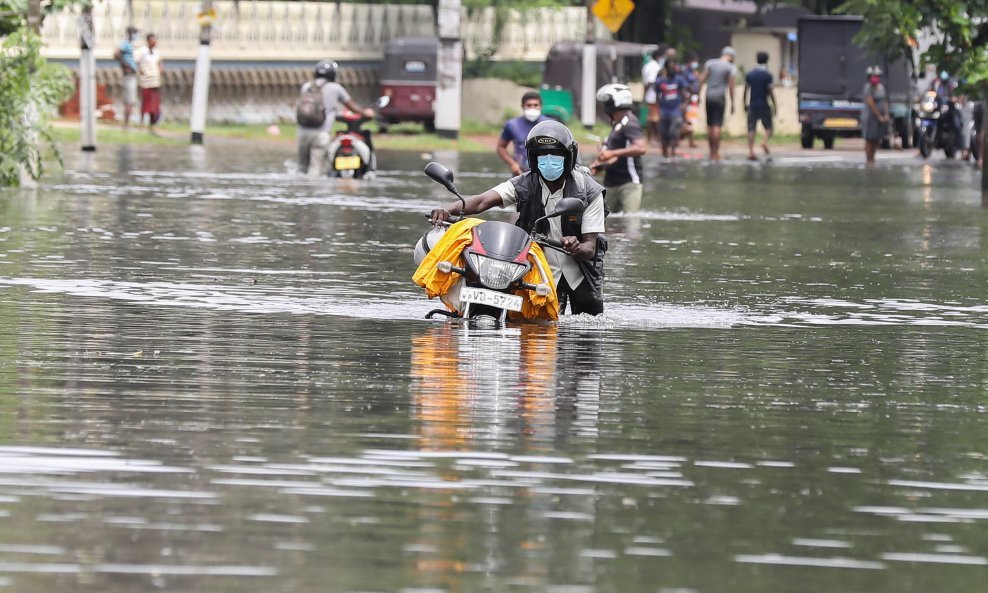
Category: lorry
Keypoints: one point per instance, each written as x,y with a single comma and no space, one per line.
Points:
832,79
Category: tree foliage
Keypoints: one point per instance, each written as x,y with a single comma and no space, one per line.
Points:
13,13
958,31
30,88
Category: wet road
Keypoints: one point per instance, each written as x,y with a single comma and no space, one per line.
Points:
216,377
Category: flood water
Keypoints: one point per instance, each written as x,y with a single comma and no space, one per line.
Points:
216,377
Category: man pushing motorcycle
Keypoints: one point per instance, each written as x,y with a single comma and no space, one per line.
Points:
578,271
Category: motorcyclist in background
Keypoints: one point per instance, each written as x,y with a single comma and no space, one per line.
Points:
316,113
552,153
944,87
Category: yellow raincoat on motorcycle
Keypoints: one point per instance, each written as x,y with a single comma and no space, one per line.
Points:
449,248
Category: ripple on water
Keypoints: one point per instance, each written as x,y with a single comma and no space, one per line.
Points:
350,301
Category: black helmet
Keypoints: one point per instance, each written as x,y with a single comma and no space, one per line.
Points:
551,137
327,69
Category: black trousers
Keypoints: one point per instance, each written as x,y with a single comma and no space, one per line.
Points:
580,299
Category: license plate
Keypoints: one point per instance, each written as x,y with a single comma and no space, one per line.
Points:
840,122
482,296
346,163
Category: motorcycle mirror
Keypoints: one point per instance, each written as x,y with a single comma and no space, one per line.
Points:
441,174
567,206
383,102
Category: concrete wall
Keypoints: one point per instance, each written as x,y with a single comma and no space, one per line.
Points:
274,31
488,100
747,45
786,121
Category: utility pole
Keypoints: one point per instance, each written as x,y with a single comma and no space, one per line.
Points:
34,16
588,101
449,70
200,84
87,79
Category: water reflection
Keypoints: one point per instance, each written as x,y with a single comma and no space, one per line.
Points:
519,385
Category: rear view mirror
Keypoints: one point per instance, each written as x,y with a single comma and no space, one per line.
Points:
440,174
383,102
567,206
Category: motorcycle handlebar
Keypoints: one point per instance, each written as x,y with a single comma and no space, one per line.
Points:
448,221
546,241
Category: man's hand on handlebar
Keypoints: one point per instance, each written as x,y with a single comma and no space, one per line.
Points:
439,216
570,244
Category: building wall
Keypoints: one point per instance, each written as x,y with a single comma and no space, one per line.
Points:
786,121
273,31
747,45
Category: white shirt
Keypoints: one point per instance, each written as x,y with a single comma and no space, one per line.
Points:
650,72
149,67
593,222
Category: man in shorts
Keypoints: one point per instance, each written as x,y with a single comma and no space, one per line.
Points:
124,55
757,95
718,74
673,92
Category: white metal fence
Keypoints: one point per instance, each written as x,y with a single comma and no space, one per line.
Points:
263,30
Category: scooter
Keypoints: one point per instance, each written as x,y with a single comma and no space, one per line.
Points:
499,269
351,153
936,126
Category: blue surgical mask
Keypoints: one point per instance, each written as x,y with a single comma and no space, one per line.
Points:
551,166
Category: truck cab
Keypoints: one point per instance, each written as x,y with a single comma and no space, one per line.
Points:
832,79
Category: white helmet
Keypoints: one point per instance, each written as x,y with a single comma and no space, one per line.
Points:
615,97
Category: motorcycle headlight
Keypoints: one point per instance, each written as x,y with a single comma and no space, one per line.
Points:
496,273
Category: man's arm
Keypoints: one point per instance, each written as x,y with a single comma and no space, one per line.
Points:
637,148
354,107
502,151
730,90
703,79
747,94
583,248
771,97
474,205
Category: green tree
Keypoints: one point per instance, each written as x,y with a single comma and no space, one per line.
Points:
30,88
958,31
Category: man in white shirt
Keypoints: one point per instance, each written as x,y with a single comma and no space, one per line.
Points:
149,69
650,72
579,270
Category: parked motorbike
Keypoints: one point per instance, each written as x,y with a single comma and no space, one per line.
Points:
935,127
484,270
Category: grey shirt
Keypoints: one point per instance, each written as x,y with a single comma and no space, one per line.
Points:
332,94
719,72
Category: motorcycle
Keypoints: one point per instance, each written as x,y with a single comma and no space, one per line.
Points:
935,128
488,271
351,153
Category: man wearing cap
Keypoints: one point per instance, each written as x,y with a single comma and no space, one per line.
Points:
718,75
124,55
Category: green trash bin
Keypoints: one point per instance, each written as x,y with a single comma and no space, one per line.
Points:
557,103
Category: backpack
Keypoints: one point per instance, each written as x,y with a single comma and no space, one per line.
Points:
311,113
